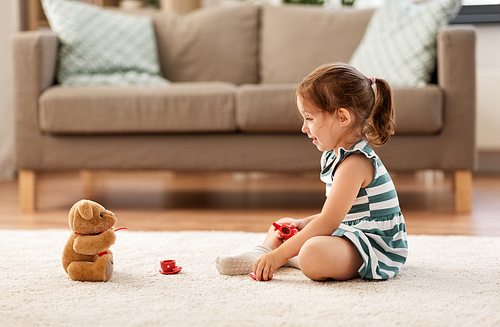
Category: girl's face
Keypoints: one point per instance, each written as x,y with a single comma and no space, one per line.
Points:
324,128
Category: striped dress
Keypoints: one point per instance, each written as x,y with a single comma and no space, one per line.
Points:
374,224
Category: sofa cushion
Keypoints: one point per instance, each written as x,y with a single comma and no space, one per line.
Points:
267,108
400,41
218,44
272,108
296,39
178,107
98,46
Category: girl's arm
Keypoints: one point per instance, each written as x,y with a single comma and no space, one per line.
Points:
355,172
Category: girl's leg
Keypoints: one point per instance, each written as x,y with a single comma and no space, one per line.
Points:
325,257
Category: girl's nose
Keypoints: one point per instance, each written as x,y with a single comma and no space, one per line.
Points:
304,128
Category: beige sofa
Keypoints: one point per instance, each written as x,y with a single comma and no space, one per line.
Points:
231,106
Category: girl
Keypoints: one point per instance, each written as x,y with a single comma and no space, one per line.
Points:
360,231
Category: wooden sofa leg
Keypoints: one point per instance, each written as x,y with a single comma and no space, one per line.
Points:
27,190
87,179
463,191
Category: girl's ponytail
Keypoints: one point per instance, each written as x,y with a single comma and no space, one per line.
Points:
382,119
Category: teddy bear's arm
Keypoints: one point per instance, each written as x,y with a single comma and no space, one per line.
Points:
92,244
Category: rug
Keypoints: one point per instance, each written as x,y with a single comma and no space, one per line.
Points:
447,281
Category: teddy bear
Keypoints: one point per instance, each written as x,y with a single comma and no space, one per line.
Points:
86,255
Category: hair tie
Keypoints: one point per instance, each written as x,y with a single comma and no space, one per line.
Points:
373,79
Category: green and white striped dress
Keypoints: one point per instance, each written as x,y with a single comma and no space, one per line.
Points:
374,224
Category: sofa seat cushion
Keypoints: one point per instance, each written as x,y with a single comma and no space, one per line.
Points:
174,108
272,108
267,108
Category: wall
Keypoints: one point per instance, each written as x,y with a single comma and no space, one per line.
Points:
9,22
488,87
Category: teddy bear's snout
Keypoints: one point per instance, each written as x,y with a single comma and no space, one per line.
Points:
106,214
109,216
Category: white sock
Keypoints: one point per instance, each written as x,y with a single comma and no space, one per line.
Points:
292,262
241,263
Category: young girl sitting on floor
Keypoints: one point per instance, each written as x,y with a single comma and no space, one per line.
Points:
360,231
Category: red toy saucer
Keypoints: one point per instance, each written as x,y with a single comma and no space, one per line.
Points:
252,275
176,270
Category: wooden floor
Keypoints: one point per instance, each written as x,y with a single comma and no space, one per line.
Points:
242,202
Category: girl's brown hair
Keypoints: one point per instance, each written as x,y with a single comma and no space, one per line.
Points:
334,86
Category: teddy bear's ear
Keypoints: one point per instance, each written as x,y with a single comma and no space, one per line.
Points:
85,210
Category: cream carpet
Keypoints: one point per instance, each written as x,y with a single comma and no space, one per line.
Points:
448,281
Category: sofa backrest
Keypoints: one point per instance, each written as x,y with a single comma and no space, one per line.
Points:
218,44
294,40
254,44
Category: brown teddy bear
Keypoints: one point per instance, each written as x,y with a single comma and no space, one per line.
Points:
86,256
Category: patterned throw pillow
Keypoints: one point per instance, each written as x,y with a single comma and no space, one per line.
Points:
400,41
98,46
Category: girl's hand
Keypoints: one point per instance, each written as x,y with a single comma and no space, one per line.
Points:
299,224
265,266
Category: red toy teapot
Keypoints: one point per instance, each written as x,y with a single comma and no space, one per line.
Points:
285,231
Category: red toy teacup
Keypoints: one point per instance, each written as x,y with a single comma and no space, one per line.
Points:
168,267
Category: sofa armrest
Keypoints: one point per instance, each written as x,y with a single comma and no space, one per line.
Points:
456,68
49,43
44,45
34,56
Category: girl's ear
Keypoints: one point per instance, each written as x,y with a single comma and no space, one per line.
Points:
344,116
